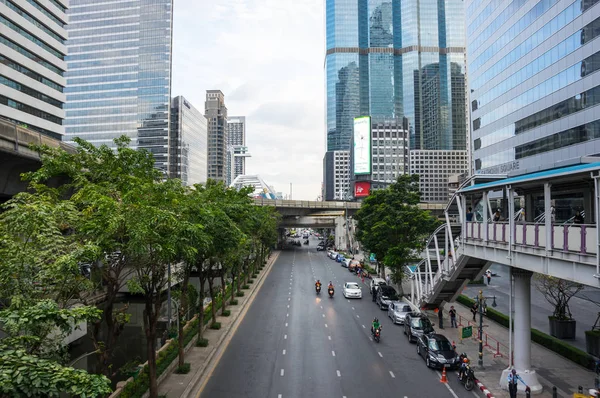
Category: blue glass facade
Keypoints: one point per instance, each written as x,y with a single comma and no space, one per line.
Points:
396,59
119,73
533,83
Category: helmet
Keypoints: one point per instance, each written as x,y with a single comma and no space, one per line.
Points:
375,319
466,360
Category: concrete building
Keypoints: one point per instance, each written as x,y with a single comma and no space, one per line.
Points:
396,60
188,150
216,115
237,151
533,86
119,73
32,64
337,175
435,169
389,152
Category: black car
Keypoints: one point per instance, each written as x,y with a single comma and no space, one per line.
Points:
385,295
417,325
437,351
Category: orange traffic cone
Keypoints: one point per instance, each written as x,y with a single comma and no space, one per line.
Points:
444,378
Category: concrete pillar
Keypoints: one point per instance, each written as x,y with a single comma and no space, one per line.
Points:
588,205
529,208
522,338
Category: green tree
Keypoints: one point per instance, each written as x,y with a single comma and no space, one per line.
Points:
391,225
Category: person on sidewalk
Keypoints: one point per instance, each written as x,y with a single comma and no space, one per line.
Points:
474,311
513,379
488,274
387,279
440,312
452,313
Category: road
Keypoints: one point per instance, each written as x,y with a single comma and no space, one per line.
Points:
293,343
584,306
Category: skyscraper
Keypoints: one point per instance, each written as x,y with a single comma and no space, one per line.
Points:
188,143
237,151
32,66
216,115
533,86
119,73
393,59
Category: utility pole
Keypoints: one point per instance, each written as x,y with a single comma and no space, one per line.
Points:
480,305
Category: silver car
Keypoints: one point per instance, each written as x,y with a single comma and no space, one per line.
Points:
397,311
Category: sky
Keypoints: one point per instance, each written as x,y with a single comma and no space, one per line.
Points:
267,57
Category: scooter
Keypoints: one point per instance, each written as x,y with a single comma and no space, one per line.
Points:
377,334
330,291
318,288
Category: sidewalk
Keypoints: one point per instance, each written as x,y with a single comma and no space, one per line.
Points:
551,368
201,358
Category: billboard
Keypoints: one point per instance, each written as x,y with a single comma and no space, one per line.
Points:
361,189
362,145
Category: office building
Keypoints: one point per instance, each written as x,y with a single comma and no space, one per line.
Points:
389,151
119,73
188,148
216,116
396,60
32,66
337,182
533,86
437,170
237,151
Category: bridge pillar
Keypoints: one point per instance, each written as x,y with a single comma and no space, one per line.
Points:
522,333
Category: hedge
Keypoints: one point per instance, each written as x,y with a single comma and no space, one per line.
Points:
552,343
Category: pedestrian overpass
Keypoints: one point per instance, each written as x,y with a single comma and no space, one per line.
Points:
528,237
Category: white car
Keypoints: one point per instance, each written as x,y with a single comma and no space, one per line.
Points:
376,282
352,290
397,311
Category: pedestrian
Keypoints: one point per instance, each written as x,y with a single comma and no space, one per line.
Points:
552,214
578,218
470,215
474,311
513,379
387,279
452,314
488,274
373,292
497,216
441,317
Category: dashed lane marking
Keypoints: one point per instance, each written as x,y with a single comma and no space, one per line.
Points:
363,326
338,373
323,315
287,314
286,324
288,306
280,396
357,316
393,376
281,373
447,386
285,336
325,325
329,337
380,354
352,307
283,352
333,353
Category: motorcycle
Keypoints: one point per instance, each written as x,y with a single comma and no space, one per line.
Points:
306,242
330,291
318,288
377,334
468,378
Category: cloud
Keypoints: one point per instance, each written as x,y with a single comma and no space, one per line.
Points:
267,58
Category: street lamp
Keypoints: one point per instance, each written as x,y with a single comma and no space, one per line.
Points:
482,307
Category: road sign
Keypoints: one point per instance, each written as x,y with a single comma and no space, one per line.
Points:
466,332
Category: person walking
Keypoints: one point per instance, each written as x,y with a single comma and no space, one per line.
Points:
474,311
513,379
441,317
387,279
488,275
470,215
452,314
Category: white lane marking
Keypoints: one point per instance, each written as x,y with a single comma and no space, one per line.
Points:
325,325
363,326
321,307
370,338
357,316
281,372
348,300
380,354
329,337
288,306
333,353
285,336
352,307
393,376
323,315
287,314
289,298
338,373
286,324
447,386
280,396
283,352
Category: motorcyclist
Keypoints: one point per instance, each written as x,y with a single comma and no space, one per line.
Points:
376,325
330,286
463,367
318,283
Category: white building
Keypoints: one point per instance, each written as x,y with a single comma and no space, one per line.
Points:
389,152
32,64
261,189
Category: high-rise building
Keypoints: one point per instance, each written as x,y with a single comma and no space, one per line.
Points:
389,151
119,73
533,86
435,169
396,60
337,163
237,151
32,64
188,149
216,115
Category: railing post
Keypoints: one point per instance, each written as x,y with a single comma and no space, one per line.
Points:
524,233
495,238
551,238
503,233
583,234
479,230
536,240
566,237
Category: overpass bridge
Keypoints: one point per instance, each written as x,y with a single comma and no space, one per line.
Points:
528,240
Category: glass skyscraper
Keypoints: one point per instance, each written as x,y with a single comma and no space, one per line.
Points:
119,73
533,86
394,59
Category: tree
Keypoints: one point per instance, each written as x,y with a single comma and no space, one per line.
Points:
391,225
557,292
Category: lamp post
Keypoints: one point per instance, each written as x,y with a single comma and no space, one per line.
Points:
480,305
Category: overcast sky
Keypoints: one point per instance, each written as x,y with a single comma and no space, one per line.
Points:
267,57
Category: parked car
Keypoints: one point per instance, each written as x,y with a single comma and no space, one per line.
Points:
346,262
437,351
339,258
417,325
385,295
352,264
331,254
320,248
352,290
376,282
397,311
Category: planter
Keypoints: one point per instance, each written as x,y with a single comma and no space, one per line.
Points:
592,342
562,329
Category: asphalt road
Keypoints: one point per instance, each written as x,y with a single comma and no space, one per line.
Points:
293,343
584,307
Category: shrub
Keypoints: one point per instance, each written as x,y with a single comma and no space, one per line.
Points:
202,342
183,370
250,281
233,302
245,287
215,325
476,282
226,313
239,294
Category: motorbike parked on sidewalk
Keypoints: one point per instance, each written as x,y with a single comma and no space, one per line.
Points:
330,291
376,334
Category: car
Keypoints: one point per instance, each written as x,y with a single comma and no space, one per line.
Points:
339,258
346,262
397,311
437,351
332,254
320,248
385,295
352,290
417,325
376,282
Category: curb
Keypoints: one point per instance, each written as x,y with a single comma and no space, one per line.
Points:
483,389
197,381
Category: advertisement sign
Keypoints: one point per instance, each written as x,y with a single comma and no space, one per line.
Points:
361,189
362,145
